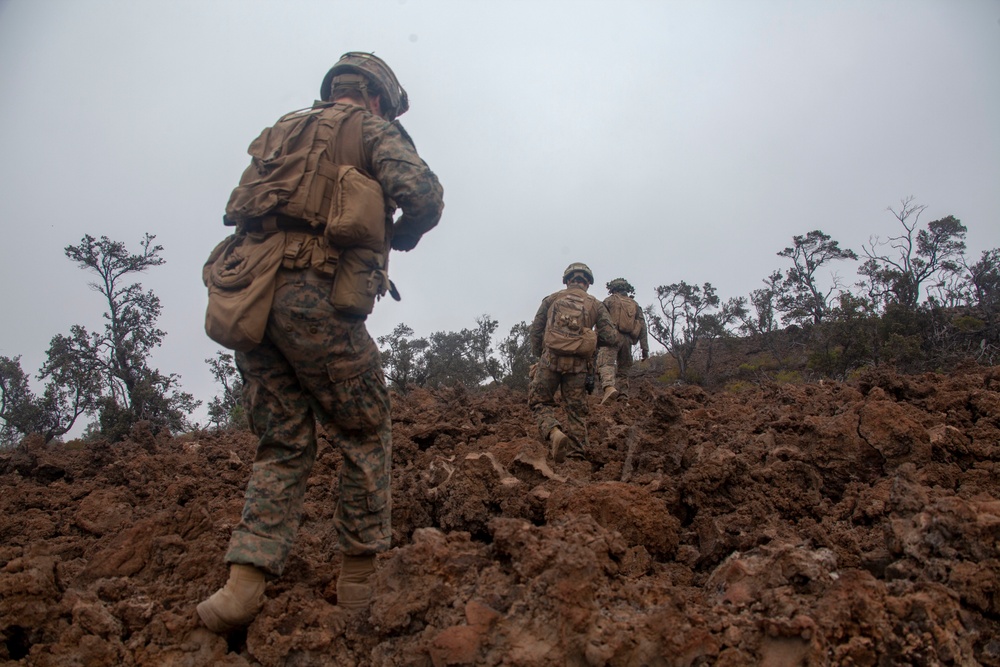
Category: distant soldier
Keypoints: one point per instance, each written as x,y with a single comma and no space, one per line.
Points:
316,361
613,362
562,335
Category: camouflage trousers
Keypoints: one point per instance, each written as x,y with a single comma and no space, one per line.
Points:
314,365
541,400
612,364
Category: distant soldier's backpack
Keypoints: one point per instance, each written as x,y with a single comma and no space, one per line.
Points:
624,314
569,331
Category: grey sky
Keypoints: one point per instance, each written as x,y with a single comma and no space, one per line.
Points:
658,141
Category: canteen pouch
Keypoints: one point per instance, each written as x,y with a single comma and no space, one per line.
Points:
360,280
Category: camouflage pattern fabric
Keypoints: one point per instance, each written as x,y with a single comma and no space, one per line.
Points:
566,373
404,176
612,364
314,364
541,400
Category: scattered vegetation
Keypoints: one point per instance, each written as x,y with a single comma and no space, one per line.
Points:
106,373
919,305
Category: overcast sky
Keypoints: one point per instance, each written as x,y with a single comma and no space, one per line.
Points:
657,141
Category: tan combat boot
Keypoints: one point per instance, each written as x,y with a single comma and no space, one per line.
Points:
560,441
354,588
237,603
610,394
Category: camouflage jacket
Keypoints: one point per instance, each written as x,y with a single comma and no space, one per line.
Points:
405,178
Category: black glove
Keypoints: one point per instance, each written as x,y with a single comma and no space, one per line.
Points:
645,355
589,383
404,242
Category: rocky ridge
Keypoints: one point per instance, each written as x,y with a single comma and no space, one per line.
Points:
801,524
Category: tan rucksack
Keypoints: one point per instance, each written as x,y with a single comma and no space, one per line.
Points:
306,166
624,314
569,331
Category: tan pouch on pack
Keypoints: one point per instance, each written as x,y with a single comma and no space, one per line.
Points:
361,279
357,212
240,275
581,345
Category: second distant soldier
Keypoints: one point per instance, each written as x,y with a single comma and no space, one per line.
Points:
613,362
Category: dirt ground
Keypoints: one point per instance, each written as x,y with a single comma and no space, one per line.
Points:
822,524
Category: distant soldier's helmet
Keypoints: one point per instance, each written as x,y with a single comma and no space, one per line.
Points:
578,267
620,285
373,71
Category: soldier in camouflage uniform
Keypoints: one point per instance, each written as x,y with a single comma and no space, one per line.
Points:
566,372
320,364
613,363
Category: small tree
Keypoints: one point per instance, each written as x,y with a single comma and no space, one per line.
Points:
226,410
481,345
849,337
403,358
898,267
801,298
130,390
516,357
716,326
683,323
22,412
71,391
452,358
762,322
984,280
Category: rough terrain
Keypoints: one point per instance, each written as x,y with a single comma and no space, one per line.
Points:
835,523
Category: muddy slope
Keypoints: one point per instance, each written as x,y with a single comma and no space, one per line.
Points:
824,524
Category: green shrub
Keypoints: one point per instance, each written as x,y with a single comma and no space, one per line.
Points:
968,324
788,377
738,387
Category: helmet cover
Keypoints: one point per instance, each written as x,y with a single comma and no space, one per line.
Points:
578,267
620,285
393,99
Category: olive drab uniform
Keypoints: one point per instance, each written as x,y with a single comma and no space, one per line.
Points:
317,363
613,362
565,370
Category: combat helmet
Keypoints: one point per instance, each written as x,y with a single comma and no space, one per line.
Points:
620,285
578,267
374,72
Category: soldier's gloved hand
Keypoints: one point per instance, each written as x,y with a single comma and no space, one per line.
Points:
645,355
404,242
